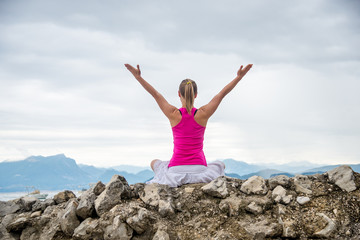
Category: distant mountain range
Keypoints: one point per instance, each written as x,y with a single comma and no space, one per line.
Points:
245,170
60,172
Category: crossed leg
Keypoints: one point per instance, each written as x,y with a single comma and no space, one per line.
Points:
153,163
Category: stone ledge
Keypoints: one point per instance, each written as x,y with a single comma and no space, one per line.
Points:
226,208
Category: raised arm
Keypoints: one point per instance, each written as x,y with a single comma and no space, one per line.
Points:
165,107
207,110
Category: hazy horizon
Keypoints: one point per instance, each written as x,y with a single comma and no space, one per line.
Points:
292,163
64,87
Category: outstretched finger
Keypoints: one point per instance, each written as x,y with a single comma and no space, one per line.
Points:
248,67
128,66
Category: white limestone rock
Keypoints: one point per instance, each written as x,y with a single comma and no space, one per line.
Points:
140,222
153,193
279,195
116,190
302,200
254,185
216,188
343,177
118,230
281,180
254,208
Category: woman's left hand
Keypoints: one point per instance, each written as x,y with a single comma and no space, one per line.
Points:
242,71
135,71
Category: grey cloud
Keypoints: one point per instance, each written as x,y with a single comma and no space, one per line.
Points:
61,68
265,31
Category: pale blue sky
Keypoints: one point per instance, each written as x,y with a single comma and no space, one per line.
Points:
63,87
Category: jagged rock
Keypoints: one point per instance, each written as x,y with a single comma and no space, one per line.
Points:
216,188
118,230
51,223
19,223
53,210
302,184
63,196
265,202
116,190
86,205
281,209
8,219
136,189
68,220
330,227
152,193
302,200
158,195
42,205
28,201
165,208
264,229
140,221
98,188
36,214
279,195
30,233
343,177
254,208
8,208
287,199
254,185
231,205
161,235
89,229
4,234
150,213
281,180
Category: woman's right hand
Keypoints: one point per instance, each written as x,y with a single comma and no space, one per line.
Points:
242,72
135,71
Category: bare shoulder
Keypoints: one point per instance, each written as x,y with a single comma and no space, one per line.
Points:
174,117
201,116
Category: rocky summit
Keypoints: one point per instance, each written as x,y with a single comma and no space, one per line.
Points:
302,207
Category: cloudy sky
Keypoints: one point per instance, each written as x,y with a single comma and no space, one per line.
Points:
64,87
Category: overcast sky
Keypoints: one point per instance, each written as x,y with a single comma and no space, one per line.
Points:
64,87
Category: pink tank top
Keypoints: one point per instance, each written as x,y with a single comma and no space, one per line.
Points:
188,141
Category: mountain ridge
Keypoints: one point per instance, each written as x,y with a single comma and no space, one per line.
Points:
60,172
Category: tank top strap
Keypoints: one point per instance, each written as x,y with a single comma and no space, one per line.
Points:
184,111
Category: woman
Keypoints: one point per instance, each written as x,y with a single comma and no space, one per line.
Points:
188,163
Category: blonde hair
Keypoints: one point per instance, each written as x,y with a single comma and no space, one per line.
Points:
188,90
